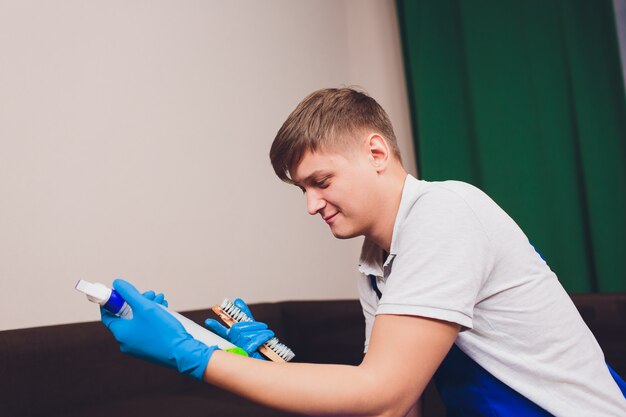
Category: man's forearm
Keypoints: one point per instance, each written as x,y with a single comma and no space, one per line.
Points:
403,354
416,410
304,388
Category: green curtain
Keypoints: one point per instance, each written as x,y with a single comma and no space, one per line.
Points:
525,99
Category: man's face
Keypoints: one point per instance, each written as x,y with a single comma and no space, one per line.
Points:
338,187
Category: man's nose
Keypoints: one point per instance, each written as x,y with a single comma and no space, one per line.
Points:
314,202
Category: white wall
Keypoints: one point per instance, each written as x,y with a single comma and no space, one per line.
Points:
134,138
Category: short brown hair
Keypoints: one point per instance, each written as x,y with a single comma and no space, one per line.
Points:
324,119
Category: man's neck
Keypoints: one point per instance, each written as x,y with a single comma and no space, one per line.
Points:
391,195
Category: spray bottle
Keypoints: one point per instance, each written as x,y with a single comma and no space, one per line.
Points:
112,301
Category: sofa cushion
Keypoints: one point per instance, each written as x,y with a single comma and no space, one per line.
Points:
78,370
605,314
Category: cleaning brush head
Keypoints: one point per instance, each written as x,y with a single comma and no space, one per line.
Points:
273,344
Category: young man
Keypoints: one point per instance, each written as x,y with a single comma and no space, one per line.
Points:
449,284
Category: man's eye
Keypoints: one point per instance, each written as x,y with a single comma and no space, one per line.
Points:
322,183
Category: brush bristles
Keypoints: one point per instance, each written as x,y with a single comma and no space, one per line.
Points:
239,316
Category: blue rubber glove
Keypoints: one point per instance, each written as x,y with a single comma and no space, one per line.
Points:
157,298
248,335
155,335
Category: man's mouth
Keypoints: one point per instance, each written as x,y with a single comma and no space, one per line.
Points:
330,218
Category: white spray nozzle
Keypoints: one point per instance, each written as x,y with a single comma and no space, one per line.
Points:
97,293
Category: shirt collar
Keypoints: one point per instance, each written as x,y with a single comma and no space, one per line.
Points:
371,259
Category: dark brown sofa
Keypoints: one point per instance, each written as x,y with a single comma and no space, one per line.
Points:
77,369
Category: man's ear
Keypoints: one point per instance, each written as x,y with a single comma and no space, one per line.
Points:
379,152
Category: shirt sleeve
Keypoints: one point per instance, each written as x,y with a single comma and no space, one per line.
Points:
442,259
368,304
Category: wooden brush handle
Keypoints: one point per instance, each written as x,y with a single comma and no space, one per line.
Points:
226,318
265,351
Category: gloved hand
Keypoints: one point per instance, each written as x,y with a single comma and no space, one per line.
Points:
248,335
157,298
155,335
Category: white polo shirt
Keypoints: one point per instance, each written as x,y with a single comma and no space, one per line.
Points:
457,256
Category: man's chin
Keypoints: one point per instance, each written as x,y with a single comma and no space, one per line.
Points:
343,234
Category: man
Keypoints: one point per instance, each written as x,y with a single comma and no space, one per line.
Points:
449,281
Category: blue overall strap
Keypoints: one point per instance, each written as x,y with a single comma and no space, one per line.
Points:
468,390
618,380
375,286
